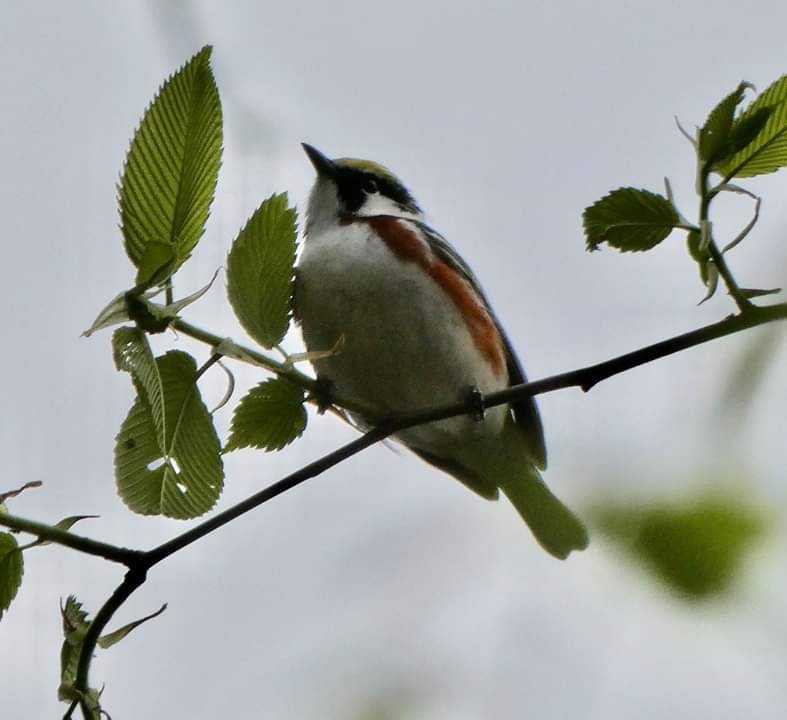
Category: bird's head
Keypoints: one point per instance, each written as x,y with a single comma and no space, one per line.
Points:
347,188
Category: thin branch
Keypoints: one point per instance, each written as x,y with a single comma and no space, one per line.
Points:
133,579
121,555
706,197
584,378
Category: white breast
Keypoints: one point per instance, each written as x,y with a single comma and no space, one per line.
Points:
405,346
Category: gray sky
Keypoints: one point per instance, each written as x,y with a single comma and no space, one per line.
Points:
384,579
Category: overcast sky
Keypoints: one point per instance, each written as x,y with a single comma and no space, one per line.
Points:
383,582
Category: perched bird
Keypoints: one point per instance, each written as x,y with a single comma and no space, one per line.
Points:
412,329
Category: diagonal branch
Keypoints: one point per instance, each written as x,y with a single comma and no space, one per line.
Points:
584,378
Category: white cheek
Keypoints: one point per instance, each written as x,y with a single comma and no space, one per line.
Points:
380,205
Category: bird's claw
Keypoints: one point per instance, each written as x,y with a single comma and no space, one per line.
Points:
474,399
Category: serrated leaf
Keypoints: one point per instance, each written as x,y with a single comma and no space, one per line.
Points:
75,622
169,177
766,151
715,133
260,271
696,549
629,219
270,416
110,639
178,473
75,625
11,570
132,354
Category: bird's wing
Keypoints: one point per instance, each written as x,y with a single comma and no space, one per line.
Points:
525,410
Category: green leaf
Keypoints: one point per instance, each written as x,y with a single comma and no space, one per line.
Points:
696,549
171,466
132,354
11,570
715,133
158,262
270,416
759,292
748,128
260,271
116,636
75,624
65,524
629,219
170,173
764,124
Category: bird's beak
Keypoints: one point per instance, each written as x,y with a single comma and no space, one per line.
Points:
324,166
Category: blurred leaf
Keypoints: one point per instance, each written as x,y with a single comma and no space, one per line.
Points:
11,570
270,416
108,640
260,271
766,150
170,173
696,549
629,219
715,133
171,467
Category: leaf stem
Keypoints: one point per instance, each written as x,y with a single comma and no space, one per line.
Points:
706,197
230,349
121,555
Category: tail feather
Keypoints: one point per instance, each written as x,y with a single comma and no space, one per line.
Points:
555,527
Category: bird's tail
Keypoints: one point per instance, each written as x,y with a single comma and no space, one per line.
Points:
555,527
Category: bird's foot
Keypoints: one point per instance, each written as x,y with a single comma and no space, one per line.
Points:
474,399
323,393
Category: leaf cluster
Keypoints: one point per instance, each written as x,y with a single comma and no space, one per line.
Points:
168,456
731,144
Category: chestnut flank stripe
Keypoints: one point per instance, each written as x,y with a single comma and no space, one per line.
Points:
407,244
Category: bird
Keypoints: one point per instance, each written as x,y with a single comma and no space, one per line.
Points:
394,320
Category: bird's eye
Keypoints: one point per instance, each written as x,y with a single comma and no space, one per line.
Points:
370,186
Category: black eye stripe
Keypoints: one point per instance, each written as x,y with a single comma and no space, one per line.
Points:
355,185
